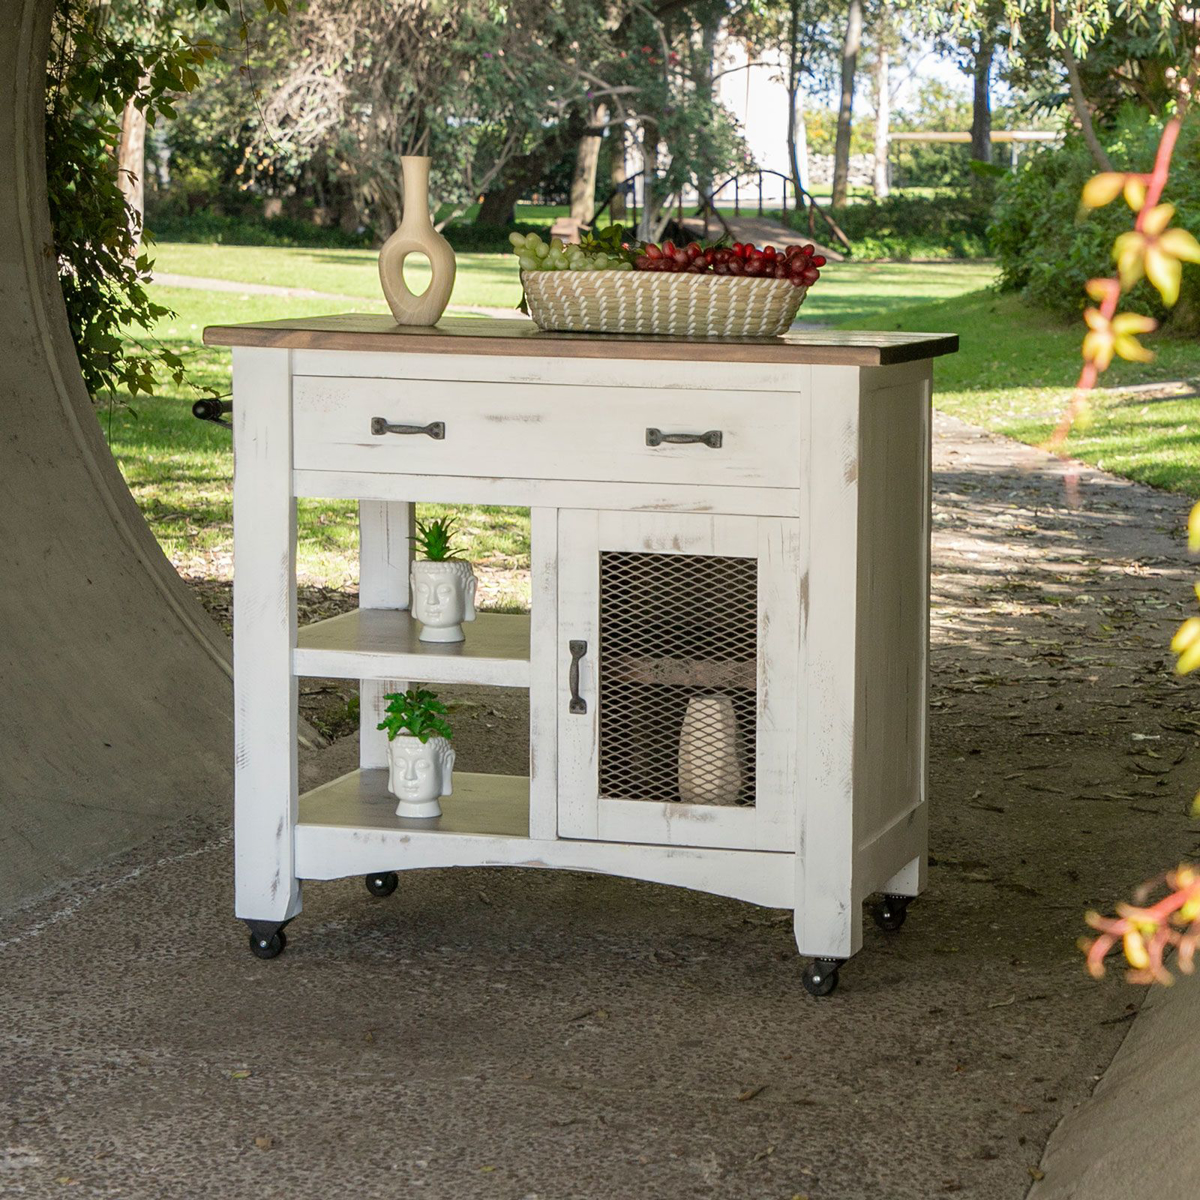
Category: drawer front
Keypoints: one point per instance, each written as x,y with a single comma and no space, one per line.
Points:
509,430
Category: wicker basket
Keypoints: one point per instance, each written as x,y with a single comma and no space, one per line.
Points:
683,305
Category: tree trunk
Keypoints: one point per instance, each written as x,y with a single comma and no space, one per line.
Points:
524,170
1083,113
793,99
841,150
583,185
981,111
131,160
500,204
616,171
704,87
646,227
882,116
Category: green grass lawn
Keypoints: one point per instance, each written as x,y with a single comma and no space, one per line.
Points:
481,279
1013,375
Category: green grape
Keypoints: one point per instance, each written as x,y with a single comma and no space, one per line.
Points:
529,263
517,241
533,241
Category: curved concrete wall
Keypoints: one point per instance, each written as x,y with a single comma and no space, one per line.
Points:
115,713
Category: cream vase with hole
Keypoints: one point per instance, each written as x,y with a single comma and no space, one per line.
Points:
416,235
419,774
709,771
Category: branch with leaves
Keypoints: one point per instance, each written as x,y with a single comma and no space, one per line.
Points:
1156,250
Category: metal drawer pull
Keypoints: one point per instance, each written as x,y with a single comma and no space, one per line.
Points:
712,439
435,429
578,703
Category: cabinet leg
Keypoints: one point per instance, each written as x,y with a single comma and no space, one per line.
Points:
908,881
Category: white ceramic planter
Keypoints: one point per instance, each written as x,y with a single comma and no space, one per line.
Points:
416,235
709,770
443,597
419,773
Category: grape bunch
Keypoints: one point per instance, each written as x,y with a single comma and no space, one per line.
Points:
537,255
799,265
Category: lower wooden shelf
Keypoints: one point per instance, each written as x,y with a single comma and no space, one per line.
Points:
349,827
481,806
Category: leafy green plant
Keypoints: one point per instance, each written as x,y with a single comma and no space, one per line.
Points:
415,712
103,57
1049,247
435,539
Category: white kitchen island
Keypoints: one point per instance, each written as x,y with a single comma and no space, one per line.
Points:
726,653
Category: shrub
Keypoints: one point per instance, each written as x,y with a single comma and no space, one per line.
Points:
472,238
1048,247
949,225
169,225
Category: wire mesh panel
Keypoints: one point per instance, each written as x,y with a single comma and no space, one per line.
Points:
677,677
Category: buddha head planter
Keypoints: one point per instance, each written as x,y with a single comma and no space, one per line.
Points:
443,597
420,757
419,773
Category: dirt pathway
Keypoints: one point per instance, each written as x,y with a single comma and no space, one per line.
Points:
545,1036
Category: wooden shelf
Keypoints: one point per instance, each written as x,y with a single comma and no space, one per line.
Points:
482,806
382,643
349,827
739,674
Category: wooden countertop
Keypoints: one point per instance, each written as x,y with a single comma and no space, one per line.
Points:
514,337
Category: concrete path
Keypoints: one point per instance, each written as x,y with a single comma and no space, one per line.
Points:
543,1036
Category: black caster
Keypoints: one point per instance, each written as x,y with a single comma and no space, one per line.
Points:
383,883
821,976
891,912
262,946
267,939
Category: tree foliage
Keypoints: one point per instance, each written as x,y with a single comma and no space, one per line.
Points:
101,58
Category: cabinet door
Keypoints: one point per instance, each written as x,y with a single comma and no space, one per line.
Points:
677,679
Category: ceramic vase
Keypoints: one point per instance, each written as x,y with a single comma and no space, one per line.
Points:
416,235
709,770
419,773
443,597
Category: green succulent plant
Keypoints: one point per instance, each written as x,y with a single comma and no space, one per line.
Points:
415,712
434,539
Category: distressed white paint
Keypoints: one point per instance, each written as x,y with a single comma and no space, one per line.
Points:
264,633
770,823
549,493
385,529
533,371
349,827
823,479
575,433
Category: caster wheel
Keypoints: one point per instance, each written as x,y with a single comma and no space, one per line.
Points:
382,884
891,912
271,947
820,977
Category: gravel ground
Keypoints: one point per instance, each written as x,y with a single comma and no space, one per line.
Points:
549,1036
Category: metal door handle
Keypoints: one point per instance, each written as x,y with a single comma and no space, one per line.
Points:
578,703
435,429
712,439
